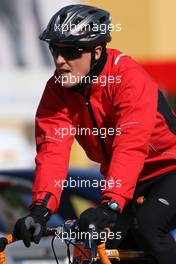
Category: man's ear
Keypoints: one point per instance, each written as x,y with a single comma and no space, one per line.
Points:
98,51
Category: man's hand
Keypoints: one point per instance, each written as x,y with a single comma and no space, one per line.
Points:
31,227
101,216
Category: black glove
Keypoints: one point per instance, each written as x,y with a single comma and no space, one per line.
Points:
101,216
31,227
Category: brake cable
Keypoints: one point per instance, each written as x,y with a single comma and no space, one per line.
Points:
53,249
68,243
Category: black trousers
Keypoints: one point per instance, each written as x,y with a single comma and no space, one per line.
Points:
152,221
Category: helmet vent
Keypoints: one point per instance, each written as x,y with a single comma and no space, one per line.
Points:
91,25
78,20
92,11
102,19
62,18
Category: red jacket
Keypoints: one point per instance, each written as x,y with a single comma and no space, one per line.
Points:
144,148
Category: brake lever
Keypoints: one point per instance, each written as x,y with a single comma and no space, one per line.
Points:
92,244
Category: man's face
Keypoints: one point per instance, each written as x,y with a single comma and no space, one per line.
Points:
72,64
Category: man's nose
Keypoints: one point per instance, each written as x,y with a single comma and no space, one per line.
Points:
60,59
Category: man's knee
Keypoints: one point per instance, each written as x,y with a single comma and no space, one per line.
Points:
147,232
151,235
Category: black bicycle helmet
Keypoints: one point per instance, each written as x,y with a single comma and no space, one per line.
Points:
78,25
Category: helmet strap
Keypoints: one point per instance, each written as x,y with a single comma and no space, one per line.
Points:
92,61
97,66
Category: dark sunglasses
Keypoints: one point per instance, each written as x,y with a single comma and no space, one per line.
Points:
69,53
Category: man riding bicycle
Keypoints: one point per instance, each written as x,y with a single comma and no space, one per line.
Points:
139,148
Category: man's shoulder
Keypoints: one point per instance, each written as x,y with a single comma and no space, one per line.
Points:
121,63
117,58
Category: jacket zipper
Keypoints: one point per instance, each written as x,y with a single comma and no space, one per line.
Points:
102,143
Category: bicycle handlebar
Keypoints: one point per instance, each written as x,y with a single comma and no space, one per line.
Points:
102,253
10,238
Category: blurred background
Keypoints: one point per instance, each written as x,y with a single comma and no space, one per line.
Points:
25,63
